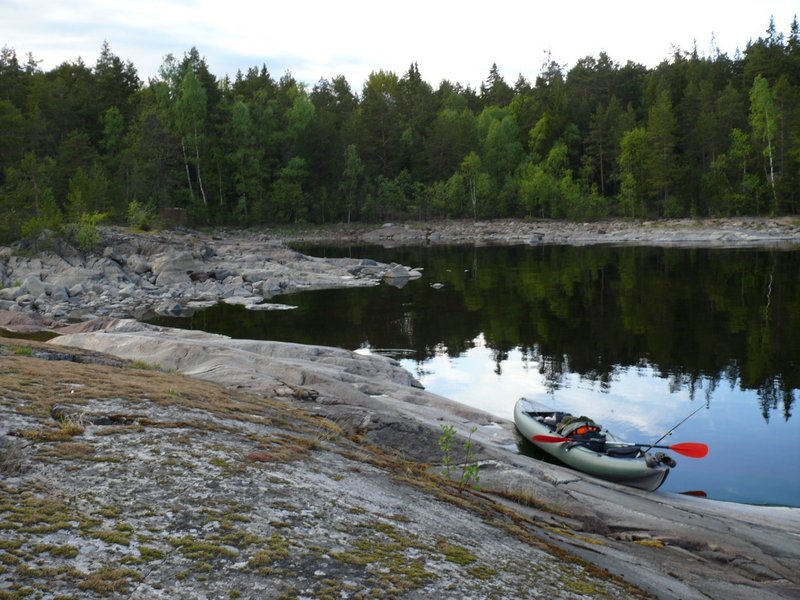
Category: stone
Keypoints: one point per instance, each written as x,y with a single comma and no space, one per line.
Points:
73,276
113,254
59,294
138,264
33,286
172,277
174,261
10,293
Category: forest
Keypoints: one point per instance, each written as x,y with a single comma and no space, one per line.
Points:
696,136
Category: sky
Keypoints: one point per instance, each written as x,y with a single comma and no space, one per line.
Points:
315,39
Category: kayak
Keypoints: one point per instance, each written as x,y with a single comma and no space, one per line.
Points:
590,449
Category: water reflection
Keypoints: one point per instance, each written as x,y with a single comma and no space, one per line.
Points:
634,337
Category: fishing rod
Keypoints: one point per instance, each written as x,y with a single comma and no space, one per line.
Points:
674,428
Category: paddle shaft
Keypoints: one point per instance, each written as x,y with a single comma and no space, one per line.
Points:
690,449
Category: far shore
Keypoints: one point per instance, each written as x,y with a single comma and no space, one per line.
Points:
706,232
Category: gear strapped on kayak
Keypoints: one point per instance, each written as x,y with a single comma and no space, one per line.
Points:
583,431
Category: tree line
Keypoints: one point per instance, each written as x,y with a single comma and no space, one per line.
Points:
694,136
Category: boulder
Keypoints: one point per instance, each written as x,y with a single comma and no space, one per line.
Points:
10,293
138,264
253,275
174,261
396,272
72,276
75,290
112,254
33,286
169,278
59,294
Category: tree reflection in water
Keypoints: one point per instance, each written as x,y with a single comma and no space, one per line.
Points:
704,322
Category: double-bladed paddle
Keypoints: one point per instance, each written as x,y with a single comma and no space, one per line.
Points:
690,449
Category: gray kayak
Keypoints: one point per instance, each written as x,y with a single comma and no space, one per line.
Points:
592,452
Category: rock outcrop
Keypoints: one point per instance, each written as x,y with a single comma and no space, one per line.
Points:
673,546
136,275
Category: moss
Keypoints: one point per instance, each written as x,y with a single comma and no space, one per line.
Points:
55,550
201,549
651,543
583,587
22,592
148,553
108,581
145,366
388,548
482,572
277,548
455,554
72,451
65,432
29,513
121,538
109,512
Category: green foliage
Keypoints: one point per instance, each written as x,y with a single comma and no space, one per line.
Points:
140,217
48,219
85,230
470,468
700,136
446,441
764,117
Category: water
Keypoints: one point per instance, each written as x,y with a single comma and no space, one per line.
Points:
636,338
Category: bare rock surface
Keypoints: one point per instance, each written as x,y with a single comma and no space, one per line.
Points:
146,462
135,275
120,481
670,545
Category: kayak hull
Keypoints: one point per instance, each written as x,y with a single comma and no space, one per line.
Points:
633,471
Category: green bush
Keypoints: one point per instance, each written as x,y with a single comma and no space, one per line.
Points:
86,234
140,216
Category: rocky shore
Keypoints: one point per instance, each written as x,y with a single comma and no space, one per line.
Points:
146,462
174,273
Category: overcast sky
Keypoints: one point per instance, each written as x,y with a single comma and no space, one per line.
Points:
457,40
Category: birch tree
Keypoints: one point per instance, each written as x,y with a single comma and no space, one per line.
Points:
764,123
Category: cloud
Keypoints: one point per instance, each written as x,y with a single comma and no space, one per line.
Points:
320,39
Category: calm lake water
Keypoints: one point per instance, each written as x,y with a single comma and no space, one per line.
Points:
636,338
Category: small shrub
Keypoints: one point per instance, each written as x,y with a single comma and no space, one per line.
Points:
140,216
470,467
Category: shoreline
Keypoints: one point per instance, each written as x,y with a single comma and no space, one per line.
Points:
714,233
173,272
669,545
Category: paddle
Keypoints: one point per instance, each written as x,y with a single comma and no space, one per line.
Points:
690,449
